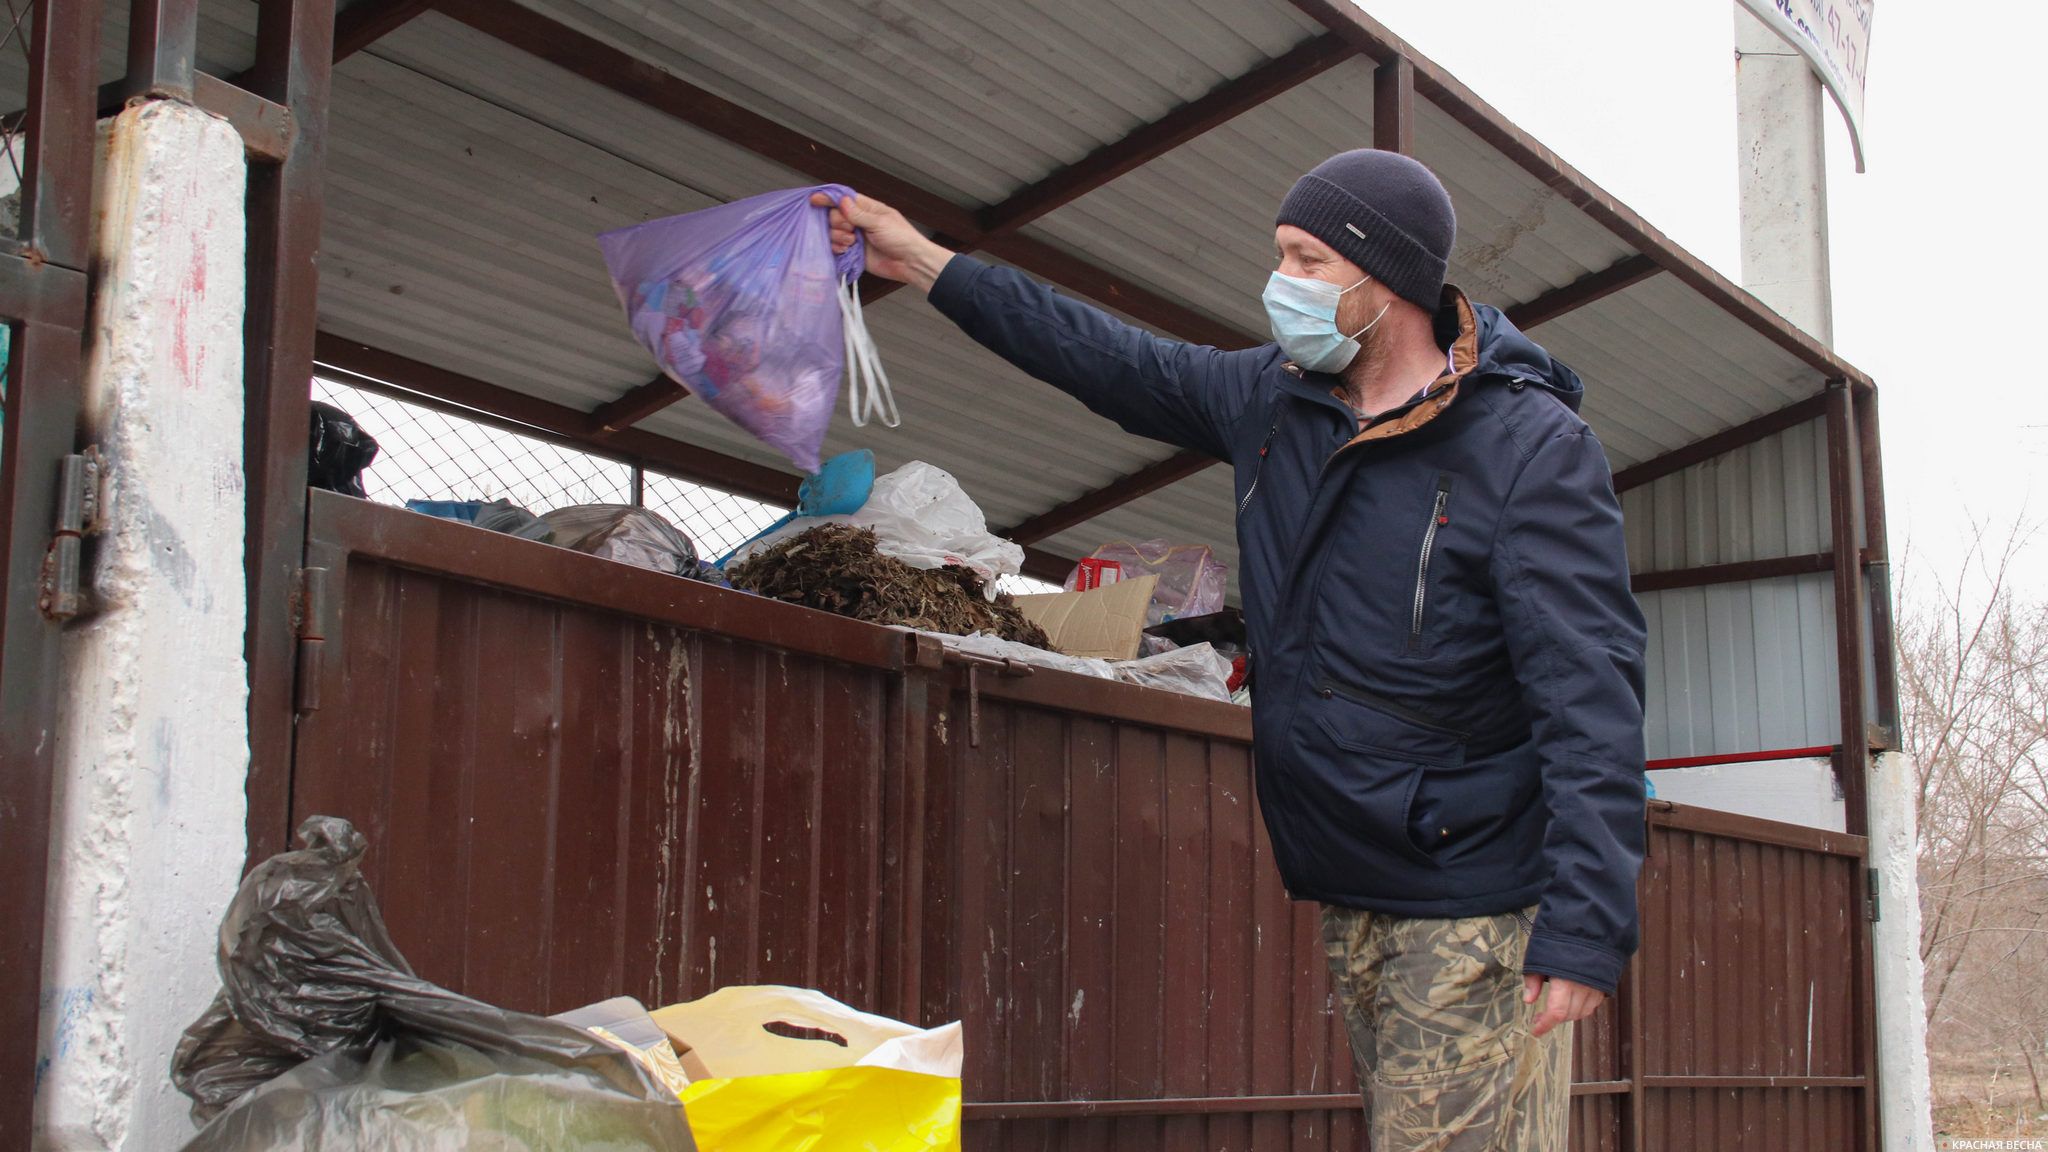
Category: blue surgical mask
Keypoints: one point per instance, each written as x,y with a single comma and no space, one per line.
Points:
1303,314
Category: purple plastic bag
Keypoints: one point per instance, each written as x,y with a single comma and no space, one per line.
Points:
739,304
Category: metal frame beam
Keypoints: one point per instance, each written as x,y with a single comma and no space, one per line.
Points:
43,293
363,24
1623,273
294,63
163,43
1115,494
1700,451
1845,498
1737,572
1877,567
1393,106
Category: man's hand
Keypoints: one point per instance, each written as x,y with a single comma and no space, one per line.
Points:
1565,1003
896,250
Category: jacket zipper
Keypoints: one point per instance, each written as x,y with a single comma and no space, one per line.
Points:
1399,711
1437,519
1259,469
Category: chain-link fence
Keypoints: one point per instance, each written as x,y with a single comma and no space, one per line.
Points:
424,454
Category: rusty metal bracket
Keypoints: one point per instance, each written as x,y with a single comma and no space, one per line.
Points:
79,476
1002,666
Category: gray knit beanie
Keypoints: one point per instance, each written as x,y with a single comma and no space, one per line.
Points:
1385,213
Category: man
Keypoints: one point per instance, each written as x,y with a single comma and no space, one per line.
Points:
1447,661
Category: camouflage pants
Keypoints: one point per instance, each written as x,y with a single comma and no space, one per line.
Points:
1441,1036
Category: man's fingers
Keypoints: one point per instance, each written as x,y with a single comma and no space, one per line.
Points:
1532,987
1551,1016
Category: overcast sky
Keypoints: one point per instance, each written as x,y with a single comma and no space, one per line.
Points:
1937,248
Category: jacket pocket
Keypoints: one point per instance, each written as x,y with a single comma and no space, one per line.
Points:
1439,518
1367,756
1483,808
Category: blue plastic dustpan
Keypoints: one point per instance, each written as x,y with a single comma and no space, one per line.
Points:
838,488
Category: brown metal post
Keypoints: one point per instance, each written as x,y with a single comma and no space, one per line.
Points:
163,44
1877,566
1845,492
1846,479
294,50
43,291
1393,106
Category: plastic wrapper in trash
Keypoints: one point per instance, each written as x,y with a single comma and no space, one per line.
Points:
745,305
338,451
1191,580
624,533
997,648
1196,670
789,1068
919,515
322,1038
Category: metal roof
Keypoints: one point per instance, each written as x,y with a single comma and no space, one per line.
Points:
467,181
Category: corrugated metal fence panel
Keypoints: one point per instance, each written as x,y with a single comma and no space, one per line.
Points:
1751,968
1737,667
552,819
1123,936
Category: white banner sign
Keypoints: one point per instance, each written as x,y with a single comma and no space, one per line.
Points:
1834,35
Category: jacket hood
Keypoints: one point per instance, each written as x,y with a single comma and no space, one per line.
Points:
1505,351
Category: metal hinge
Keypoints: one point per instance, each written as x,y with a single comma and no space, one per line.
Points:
309,625
1003,666
1870,907
79,476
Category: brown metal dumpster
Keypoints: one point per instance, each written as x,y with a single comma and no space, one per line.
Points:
581,779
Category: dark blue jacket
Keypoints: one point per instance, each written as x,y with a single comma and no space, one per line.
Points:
1448,663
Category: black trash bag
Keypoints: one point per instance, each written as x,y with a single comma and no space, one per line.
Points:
338,452
323,1038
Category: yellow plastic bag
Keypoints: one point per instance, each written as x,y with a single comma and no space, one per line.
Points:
889,1088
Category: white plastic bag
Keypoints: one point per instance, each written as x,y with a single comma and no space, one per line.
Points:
920,516
1197,670
626,534
995,647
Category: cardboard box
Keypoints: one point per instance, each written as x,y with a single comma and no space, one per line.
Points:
1106,622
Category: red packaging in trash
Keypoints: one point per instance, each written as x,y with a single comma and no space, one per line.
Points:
1092,573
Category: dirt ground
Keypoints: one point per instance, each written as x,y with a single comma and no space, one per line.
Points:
1981,1097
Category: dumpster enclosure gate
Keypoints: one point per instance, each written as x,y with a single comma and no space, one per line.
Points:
581,779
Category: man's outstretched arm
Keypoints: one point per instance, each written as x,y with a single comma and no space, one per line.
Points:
1184,394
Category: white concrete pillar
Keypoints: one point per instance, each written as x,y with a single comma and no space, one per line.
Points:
1904,1097
153,750
1782,167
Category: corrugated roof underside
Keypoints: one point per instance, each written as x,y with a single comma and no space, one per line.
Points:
509,288
973,97
467,180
